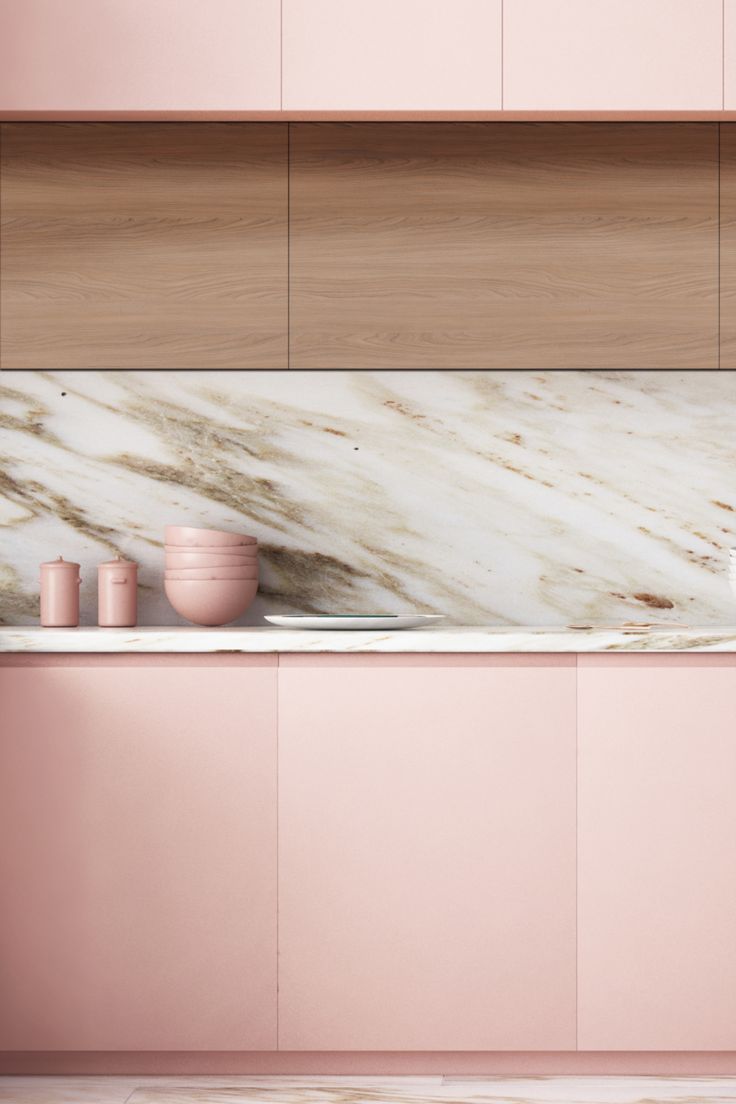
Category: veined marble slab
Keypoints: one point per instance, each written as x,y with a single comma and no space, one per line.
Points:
515,498
464,639
369,1090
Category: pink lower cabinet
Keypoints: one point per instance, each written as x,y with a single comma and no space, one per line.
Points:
427,853
138,856
657,853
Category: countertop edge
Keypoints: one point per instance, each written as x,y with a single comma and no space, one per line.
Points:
430,640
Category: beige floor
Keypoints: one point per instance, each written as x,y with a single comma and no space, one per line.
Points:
367,1090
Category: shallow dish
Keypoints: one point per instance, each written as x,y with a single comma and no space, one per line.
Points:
191,537
353,620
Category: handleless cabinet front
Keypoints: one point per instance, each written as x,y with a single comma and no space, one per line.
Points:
427,853
392,55
138,856
138,55
613,55
657,853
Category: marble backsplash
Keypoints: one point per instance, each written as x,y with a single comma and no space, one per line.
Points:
530,498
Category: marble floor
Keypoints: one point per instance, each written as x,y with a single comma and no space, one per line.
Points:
367,1090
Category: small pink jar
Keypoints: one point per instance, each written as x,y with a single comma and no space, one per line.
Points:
117,594
60,594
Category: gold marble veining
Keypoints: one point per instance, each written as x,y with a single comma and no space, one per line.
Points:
369,1090
505,498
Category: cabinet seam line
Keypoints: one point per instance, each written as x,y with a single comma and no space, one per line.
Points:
288,245
577,836
281,55
278,880
502,54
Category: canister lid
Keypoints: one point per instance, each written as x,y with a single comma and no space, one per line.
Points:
119,563
60,564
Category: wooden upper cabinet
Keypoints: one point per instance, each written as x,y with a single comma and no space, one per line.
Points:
728,246
504,245
140,55
657,853
138,857
624,55
427,853
129,245
391,55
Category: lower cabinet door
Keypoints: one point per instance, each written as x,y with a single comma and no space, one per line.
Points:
138,857
657,878
427,853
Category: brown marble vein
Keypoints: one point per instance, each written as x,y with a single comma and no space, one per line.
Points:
505,498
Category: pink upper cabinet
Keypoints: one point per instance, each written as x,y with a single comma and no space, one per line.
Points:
426,854
625,55
729,55
140,55
392,55
657,854
138,857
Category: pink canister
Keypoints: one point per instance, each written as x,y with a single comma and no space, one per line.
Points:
60,594
117,593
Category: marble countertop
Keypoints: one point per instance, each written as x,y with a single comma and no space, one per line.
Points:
468,639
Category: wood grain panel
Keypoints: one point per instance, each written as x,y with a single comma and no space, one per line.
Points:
144,245
728,246
488,245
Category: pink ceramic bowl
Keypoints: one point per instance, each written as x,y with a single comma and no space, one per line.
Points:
204,559
213,549
210,603
211,573
192,537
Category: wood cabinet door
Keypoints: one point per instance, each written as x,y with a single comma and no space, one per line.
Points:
156,245
727,243
613,55
138,55
138,857
392,55
657,853
504,245
427,853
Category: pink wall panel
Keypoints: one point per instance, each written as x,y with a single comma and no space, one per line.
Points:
657,855
138,858
392,55
426,857
140,55
626,55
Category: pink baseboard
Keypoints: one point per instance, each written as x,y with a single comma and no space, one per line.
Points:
314,1063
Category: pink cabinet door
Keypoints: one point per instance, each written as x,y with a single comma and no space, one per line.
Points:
140,55
657,853
729,55
427,853
624,55
392,55
138,857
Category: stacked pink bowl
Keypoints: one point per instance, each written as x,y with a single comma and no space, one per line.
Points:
211,576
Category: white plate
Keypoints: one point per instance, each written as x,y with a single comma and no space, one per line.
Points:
353,621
